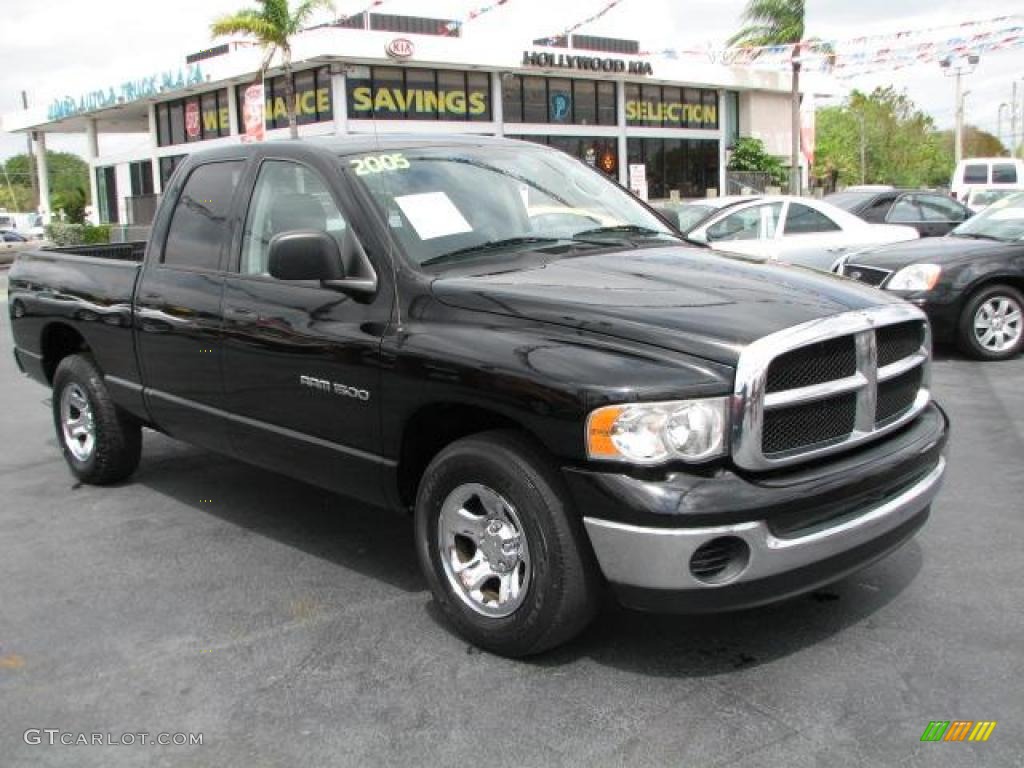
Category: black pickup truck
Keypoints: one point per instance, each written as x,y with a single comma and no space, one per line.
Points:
498,338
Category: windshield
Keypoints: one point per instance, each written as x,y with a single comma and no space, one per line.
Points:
448,204
693,214
988,196
1003,220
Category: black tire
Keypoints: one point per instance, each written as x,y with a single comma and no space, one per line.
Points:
117,438
564,588
968,339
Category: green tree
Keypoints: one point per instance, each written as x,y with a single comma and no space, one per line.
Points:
779,22
900,143
977,143
273,25
68,175
749,155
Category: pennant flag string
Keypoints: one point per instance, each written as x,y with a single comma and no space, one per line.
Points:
452,26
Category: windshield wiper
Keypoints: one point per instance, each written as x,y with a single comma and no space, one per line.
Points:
490,245
624,229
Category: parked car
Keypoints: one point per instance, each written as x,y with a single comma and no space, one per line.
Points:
10,236
795,230
985,172
969,283
561,412
980,198
932,214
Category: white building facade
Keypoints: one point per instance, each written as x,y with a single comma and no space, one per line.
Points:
663,126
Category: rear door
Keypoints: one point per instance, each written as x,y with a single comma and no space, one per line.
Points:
811,238
178,317
302,361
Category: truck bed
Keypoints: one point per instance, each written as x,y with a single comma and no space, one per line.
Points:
133,251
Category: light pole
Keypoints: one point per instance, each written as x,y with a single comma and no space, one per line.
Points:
863,146
999,126
956,68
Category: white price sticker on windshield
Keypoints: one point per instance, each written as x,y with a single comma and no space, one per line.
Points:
433,214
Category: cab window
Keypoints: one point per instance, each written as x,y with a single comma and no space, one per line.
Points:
199,225
287,197
1004,173
976,173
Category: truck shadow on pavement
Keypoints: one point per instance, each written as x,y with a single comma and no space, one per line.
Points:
379,544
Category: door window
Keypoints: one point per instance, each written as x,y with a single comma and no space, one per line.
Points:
804,220
936,208
758,222
878,209
199,224
287,197
906,211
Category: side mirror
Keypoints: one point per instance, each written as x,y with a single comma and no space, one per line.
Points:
305,255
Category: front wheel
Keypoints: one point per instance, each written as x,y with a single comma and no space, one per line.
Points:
506,559
101,444
991,325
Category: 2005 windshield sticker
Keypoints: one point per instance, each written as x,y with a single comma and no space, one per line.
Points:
370,164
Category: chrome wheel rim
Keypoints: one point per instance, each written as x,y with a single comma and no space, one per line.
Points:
484,550
997,324
77,422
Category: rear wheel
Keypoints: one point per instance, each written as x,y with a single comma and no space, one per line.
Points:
992,325
100,443
506,558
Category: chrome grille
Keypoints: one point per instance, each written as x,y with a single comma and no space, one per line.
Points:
830,384
870,275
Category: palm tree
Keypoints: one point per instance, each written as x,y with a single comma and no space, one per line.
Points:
273,25
779,22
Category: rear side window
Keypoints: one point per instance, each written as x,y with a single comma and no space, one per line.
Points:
199,225
937,208
804,220
1004,173
976,173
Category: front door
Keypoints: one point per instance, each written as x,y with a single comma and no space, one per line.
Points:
178,314
301,361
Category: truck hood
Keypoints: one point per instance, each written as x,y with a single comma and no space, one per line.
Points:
684,299
944,251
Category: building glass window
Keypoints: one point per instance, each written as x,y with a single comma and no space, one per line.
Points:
141,175
305,97
607,108
478,92
535,100
167,166
512,98
313,99
176,116
687,165
584,102
392,93
426,100
654,105
106,193
195,118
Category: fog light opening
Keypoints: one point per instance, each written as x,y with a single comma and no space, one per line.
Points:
720,560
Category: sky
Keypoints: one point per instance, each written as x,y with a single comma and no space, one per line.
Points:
61,47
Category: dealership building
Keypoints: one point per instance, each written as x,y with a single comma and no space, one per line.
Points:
661,125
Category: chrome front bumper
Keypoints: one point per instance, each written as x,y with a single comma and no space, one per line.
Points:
659,558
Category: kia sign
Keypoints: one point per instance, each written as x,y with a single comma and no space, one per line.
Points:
400,48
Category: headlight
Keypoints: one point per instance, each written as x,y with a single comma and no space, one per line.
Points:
652,433
916,277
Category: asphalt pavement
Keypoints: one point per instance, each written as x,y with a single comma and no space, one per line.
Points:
290,627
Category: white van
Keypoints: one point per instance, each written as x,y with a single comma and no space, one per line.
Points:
986,172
